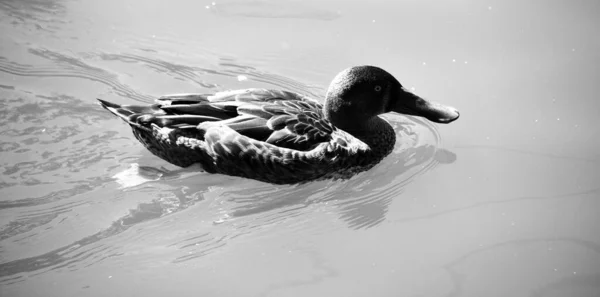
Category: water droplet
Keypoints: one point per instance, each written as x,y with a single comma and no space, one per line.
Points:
373,21
214,3
207,7
489,8
453,60
466,62
424,63
558,119
242,78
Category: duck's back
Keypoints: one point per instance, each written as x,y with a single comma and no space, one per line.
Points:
268,135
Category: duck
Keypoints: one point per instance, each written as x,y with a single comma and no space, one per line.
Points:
278,136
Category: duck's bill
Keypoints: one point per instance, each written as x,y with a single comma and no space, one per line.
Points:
411,104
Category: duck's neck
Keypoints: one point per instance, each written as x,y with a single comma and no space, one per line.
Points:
377,133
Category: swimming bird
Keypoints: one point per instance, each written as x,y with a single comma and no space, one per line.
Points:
279,136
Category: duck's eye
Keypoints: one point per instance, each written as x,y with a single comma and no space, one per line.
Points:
377,88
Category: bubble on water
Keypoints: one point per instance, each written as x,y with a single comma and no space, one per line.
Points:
134,176
207,7
489,8
453,60
424,64
222,220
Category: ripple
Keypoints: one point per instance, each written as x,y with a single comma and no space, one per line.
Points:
67,66
461,284
362,202
272,9
248,206
40,15
227,67
70,157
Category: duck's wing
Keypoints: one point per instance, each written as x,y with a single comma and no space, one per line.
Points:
281,118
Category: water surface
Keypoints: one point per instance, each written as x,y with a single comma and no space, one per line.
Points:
502,202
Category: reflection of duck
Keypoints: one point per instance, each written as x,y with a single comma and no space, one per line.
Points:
279,136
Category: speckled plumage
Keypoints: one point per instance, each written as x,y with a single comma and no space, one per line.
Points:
270,135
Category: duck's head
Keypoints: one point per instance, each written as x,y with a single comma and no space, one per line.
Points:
358,94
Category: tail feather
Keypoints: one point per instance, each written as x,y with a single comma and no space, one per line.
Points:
106,104
130,113
115,109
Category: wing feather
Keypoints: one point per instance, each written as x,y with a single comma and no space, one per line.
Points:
281,118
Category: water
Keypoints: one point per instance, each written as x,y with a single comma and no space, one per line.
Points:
502,202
